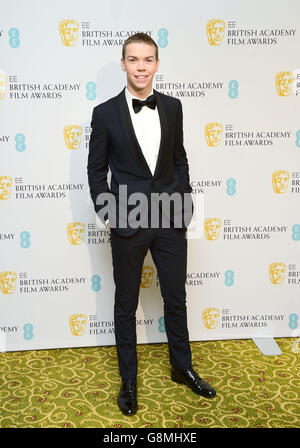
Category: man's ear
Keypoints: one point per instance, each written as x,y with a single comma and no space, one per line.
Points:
122,64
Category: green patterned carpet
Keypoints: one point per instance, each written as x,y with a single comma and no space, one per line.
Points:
79,387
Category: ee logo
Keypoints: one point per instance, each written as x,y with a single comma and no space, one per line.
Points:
25,239
231,186
28,331
96,283
293,321
163,38
91,90
161,325
20,142
233,89
229,278
296,232
298,138
14,35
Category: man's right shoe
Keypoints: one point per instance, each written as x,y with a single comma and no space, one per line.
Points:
193,381
127,399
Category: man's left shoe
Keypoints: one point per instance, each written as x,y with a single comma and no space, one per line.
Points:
127,399
193,381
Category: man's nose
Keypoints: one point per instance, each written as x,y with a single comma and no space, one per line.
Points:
141,65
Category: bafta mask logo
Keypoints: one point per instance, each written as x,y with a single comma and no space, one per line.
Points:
215,29
2,85
8,282
68,30
147,276
210,317
213,134
72,136
75,232
277,272
280,181
5,187
284,83
78,324
212,228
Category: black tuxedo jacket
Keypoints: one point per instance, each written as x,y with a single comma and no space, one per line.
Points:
113,144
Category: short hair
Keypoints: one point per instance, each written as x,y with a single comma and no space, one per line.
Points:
140,37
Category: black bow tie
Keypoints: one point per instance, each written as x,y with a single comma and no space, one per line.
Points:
149,102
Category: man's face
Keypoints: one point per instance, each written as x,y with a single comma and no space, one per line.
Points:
140,65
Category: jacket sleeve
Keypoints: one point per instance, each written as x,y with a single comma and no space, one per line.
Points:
97,167
180,158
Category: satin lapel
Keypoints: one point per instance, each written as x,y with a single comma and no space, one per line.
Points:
129,132
163,127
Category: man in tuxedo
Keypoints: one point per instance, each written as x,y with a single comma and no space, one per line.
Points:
139,135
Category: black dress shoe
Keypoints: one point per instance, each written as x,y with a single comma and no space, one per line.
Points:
127,399
193,381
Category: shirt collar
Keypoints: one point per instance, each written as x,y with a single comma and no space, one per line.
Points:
129,96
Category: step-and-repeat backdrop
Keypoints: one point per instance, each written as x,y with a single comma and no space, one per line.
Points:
235,67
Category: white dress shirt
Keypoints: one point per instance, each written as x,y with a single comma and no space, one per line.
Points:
146,125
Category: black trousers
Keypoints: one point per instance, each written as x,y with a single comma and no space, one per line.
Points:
169,252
